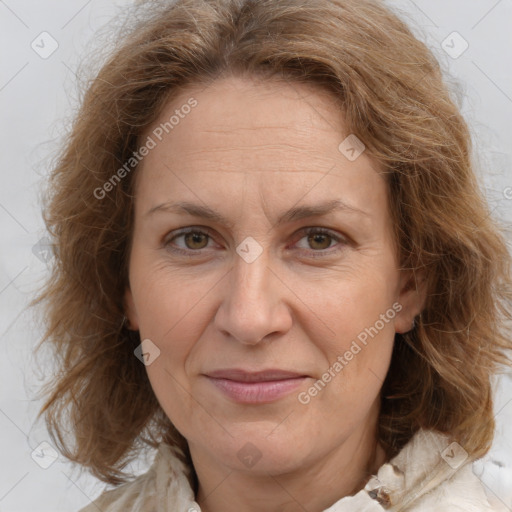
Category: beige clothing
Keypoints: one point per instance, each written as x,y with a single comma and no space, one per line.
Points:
428,475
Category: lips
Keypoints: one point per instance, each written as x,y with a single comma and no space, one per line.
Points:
260,376
255,387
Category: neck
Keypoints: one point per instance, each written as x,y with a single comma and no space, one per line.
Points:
315,486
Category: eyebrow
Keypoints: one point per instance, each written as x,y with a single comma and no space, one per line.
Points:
293,214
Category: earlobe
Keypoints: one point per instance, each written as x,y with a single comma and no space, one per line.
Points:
130,312
412,297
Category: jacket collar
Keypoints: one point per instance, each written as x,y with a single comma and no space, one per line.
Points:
428,469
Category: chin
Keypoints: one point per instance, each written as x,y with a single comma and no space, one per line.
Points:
254,451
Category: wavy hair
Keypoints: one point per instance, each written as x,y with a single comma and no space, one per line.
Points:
393,98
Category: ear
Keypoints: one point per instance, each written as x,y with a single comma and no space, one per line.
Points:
412,297
130,311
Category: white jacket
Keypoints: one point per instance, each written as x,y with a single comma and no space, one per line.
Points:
428,475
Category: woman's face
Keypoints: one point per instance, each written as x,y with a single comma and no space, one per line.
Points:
272,281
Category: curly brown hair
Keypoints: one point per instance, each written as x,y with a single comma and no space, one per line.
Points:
394,99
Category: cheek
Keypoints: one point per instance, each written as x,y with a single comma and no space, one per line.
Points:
359,313
352,309
358,364
172,314
168,301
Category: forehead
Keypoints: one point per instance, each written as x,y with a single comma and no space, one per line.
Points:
278,139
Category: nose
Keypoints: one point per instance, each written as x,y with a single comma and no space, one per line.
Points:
254,304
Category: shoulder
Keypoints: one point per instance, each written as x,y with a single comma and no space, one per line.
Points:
431,473
462,492
125,496
165,483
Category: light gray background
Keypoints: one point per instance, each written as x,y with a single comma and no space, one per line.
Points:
38,97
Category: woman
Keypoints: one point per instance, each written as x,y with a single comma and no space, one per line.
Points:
272,373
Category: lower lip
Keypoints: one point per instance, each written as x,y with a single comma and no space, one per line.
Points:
257,392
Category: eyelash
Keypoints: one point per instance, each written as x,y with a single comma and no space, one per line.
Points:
307,231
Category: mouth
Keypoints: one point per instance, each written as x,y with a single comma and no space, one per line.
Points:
248,387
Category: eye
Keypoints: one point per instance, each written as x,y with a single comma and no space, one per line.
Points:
195,240
320,239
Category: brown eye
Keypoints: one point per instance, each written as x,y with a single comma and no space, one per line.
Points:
319,241
195,240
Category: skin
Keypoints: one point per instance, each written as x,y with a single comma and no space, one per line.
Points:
251,150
